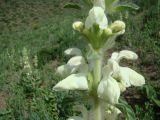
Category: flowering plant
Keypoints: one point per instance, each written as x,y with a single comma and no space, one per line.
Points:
102,81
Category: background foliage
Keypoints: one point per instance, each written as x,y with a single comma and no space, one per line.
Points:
36,32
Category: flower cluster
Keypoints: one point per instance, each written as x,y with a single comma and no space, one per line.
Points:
103,82
97,30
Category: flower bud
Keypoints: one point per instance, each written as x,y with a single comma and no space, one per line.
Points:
79,26
108,31
118,26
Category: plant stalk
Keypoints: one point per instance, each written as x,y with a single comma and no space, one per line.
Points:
97,69
97,72
97,110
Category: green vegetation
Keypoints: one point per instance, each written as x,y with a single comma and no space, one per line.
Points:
33,36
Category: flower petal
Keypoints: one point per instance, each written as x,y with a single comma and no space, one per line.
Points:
76,61
114,65
63,70
79,26
118,27
120,32
130,77
112,112
109,90
127,55
122,86
72,82
124,77
77,64
106,71
135,78
124,54
111,67
96,16
83,69
75,118
114,55
73,52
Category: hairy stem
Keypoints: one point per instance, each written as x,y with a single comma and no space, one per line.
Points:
97,69
97,110
97,72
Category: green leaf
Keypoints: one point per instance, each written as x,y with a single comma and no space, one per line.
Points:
150,91
151,94
126,7
88,2
110,2
156,101
126,109
72,5
109,5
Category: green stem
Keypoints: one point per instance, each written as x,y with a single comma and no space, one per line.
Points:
97,69
97,110
97,72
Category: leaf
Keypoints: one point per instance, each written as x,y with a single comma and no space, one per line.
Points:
126,109
150,91
110,2
151,94
72,5
110,5
126,6
88,2
156,101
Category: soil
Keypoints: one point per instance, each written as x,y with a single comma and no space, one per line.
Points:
3,103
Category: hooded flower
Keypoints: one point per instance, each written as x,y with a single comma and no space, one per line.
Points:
96,16
74,64
108,88
76,70
72,82
125,75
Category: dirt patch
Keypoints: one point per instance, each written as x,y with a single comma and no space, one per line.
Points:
3,103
